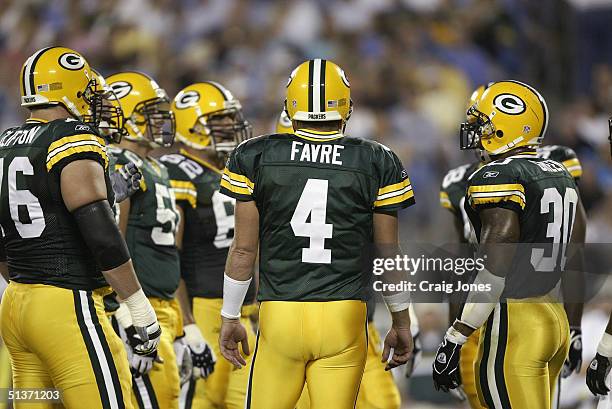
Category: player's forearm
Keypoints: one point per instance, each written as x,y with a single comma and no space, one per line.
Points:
240,262
401,319
123,280
183,298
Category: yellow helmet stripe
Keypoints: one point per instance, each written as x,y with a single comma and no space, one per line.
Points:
28,71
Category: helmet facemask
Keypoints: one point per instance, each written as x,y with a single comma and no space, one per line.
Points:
226,128
104,115
158,120
477,127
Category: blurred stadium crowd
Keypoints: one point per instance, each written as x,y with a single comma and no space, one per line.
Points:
412,65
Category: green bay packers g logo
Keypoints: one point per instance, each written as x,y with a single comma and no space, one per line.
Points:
71,61
186,99
121,88
509,104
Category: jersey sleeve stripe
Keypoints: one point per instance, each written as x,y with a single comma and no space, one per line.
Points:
395,193
184,190
407,195
445,201
573,166
237,180
497,188
474,201
72,139
75,149
234,188
394,187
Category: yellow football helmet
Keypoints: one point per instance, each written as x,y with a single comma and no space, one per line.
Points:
318,90
208,115
60,76
111,119
284,125
508,115
146,108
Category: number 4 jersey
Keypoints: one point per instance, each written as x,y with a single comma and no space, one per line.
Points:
316,199
544,195
151,227
209,224
42,241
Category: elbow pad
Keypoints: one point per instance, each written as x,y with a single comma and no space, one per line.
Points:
97,225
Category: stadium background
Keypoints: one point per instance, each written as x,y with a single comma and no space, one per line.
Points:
412,65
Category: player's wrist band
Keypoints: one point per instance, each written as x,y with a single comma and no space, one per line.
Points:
140,308
193,335
479,306
605,345
234,292
397,302
456,337
123,316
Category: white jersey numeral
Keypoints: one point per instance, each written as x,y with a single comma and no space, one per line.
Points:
559,230
223,208
166,213
23,197
313,203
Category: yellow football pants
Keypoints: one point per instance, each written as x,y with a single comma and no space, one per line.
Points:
226,387
322,343
378,389
160,388
60,338
521,353
469,354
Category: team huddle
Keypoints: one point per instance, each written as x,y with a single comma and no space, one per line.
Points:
236,271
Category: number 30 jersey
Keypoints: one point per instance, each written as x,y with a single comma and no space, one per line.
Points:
42,241
544,195
209,224
151,227
316,199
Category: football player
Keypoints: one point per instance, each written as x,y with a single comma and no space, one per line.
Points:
210,125
148,221
310,203
378,388
452,197
518,197
63,247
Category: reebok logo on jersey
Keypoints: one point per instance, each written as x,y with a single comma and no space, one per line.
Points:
82,128
441,358
490,174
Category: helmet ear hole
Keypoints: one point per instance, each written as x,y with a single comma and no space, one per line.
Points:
499,133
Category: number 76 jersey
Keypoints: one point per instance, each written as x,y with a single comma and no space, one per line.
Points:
316,199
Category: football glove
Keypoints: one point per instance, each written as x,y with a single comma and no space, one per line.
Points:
141,358
597,373
417,352
202,356
573,362
446,374
125,181
183,359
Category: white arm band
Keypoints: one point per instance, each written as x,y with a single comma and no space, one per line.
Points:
123,316
141,310
397,302
605,345
414,321
234,292
479,305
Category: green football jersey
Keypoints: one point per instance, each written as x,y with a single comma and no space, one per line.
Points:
42,241
454,185
316,200
545,196
151,226
208,225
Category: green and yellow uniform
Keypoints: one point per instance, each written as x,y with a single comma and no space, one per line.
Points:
54,298
208,233
150,237
452,197
316,198
514,371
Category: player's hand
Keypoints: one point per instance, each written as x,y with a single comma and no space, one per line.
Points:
573,362
596,375
233,333
125,181
183,359
400,340
149,337
142,358
415,357
203,358
446,366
